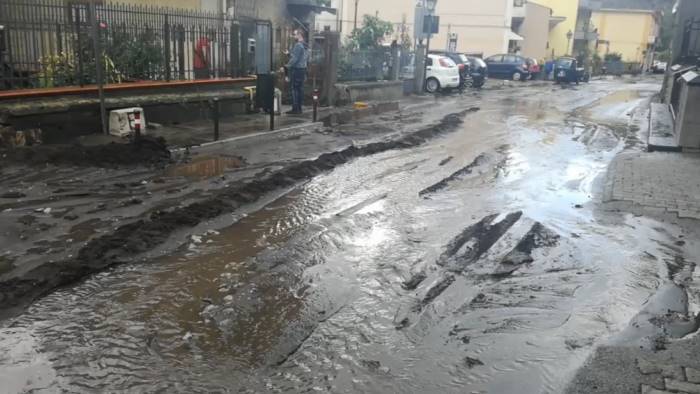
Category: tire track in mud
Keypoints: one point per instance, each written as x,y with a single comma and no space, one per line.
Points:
141,236
470,246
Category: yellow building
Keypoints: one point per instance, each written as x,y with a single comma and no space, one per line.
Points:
632,33
562,21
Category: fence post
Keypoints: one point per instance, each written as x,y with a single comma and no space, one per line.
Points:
166,37
235,50
215,116
98,66
79,49
181,51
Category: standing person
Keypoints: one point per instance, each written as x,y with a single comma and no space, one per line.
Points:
297,64
201,58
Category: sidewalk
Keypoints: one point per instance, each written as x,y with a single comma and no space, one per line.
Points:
661,181
658,351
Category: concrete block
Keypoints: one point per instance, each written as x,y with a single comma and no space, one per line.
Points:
673,372
122,121
693,375
677,385
646,389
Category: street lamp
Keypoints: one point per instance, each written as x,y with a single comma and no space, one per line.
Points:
569,36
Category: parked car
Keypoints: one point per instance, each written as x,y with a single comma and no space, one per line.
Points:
508,67
566,70
478,72
441,73
462,64
533,67
659,67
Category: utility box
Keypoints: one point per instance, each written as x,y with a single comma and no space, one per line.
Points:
122,122
687,127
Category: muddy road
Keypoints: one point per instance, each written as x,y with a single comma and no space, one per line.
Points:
448,251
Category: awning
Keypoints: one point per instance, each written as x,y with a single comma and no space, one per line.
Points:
555,20
513,37
307,6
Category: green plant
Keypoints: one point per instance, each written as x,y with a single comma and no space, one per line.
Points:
139,57
57,70
613,57
371,34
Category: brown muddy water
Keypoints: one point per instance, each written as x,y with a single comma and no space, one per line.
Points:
501,278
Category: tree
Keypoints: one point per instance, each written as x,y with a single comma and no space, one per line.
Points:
371,34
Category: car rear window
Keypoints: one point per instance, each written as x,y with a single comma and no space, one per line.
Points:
564,62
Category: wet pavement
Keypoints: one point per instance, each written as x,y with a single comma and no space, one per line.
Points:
481,260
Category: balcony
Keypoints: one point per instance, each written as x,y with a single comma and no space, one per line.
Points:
591,5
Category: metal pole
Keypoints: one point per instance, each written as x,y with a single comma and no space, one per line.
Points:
315,97
98,67
355,22
215,117
272,103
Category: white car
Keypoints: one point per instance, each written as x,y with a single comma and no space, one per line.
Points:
659,67
441,73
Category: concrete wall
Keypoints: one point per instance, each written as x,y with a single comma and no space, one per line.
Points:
558,42
628,31
535,31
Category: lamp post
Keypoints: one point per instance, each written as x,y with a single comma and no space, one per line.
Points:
569,36
425,11
354,24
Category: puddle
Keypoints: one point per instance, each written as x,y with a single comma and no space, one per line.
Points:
205,167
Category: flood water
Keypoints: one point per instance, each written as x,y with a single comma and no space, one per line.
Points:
308,293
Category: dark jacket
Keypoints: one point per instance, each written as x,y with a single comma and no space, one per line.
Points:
298,57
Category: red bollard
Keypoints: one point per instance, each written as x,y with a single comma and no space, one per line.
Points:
315,97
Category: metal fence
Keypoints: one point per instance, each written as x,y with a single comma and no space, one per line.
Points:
373,64
50,43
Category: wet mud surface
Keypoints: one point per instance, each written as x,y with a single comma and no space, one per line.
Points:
334,273
145,151
143,235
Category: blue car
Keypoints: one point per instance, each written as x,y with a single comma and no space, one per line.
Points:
512,67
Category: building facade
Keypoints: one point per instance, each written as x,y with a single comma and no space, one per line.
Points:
562,26
631,33
532,23
481,27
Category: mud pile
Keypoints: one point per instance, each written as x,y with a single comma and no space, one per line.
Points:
145,151
141,236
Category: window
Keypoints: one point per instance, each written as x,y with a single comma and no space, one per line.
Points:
495,59
510,59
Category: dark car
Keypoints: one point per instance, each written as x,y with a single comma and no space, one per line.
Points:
567,70
462,63
478,71
508,67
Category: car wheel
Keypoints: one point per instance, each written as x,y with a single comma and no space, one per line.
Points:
517,76
432,85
